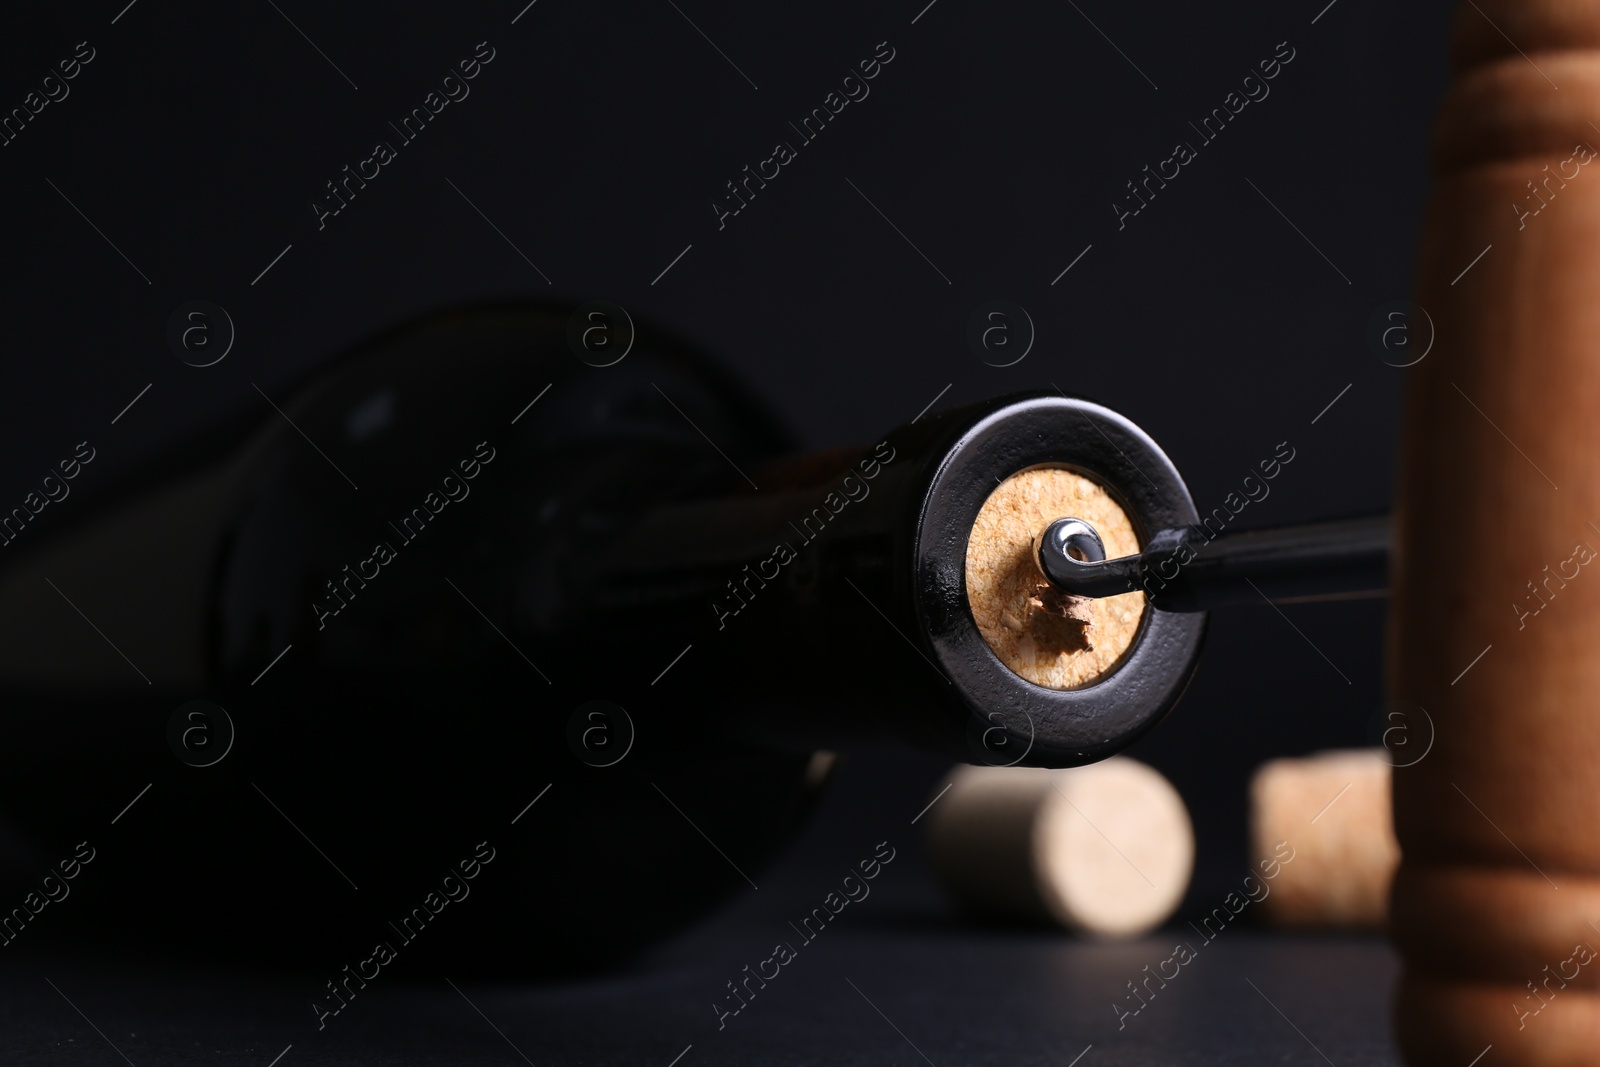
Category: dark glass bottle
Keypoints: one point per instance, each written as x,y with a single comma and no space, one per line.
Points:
469,594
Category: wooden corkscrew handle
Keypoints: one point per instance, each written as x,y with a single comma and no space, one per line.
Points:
1495,629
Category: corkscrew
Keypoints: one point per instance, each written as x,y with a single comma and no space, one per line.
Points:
1187,569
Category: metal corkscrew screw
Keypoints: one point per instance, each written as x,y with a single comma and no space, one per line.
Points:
1182,569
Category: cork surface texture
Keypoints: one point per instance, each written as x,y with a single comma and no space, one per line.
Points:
1056,641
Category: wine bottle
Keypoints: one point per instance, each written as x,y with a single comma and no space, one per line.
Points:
465,592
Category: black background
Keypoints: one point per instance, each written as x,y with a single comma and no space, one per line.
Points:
996,140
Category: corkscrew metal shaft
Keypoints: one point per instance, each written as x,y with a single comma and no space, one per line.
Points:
1182,569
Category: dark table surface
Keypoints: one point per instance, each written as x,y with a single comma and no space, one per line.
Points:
889,988
897,978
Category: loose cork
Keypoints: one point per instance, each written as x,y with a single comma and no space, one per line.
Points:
1333,809
1061,642
1105,849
